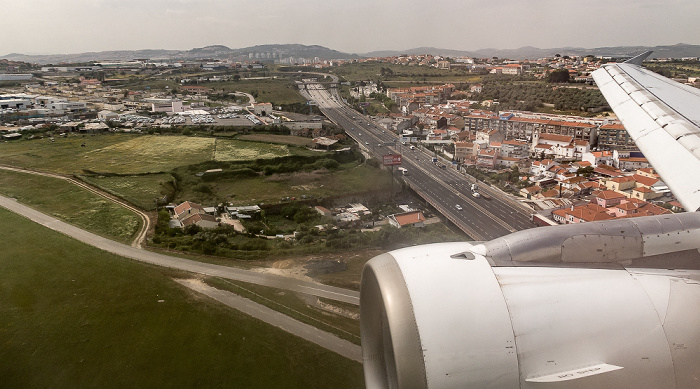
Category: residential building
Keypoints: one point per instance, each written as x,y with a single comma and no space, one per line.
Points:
580,214
200,219
608,198
621,184
464,149
614,136
415,219
186,209
514,149
596,158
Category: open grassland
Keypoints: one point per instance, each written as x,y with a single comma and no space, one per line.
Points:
150,153
141,190
112,153
71,203
72,316
64,155
270,90
131,154
281,139
353,178
373,71
232,150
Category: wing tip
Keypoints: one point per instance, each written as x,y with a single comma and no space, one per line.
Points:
637,60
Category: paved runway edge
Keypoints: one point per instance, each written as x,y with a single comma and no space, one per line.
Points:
277,319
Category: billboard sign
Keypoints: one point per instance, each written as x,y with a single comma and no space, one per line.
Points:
391,159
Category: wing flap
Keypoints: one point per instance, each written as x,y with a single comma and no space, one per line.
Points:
661,117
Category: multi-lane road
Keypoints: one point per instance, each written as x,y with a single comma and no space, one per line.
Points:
444,188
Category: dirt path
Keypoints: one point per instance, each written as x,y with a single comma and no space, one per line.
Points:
145,220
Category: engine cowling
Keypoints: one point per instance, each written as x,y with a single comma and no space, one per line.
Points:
440,316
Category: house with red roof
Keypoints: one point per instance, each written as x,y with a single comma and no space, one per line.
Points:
486,159
609,198
406,219
200,219
620,184
583,213
598,157
187,208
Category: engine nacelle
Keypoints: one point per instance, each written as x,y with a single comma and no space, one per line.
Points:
440,316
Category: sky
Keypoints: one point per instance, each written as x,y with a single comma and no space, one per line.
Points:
351,26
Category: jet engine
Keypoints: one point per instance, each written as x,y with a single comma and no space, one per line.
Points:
603,304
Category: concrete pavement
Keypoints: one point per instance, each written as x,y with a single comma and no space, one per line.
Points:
277,319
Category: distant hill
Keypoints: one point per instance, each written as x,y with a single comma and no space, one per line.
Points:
261,52
671,51
273,51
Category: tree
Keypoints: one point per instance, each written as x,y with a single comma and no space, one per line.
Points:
559,75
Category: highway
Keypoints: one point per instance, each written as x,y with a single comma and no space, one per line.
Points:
442,188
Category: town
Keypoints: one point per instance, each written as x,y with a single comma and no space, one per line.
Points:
569,168
236,203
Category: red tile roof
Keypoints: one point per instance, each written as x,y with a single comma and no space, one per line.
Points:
409,218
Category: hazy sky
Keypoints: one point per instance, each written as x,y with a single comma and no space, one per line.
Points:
353,26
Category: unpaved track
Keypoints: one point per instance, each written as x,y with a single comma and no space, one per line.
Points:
145,220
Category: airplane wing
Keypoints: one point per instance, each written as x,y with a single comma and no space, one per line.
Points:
608,304
663,118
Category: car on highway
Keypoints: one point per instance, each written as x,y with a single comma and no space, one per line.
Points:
459,207
476,194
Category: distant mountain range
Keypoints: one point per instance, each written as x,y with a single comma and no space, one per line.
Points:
272,52
260,52
680,50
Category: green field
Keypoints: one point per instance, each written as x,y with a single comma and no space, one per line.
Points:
140,190
73,316
353,178
273,90
373,71
232,150
293,305
131,154
281,139
71,203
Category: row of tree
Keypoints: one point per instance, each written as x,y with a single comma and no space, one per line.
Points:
530,96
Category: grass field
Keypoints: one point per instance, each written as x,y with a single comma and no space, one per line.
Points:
372,71
132,154
281,139
71,203
138,190
150,153
73,316
270,189
64,155
232,150
272,90
292,305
